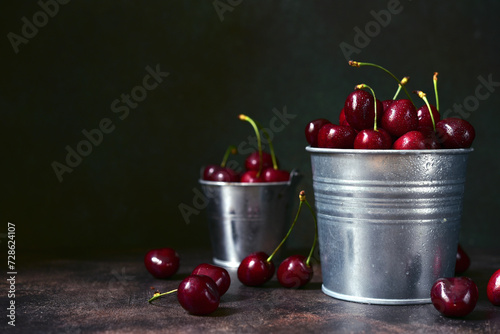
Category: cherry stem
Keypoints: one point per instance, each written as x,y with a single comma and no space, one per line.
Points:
315,229
158,295
359,64
423,96
361,86
230,150
435,79
402,83
302,199
259,141
271,147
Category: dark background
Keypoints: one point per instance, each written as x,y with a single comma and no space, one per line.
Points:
252,57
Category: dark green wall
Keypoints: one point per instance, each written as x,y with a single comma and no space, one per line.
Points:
252,57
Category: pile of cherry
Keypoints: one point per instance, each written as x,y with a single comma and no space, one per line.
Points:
201,291
368,123
260,166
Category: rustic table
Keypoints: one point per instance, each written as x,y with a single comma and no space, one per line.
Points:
109,292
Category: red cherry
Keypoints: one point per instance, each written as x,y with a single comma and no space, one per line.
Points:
400,118
251,177
209,171
162,262
221,174
373,139
413,140
462,262
293,272
424,119
359,109
493,288
342,120
198,294
455,133
218,274
252,162
255,270
276,175
312,129
454,296
336,136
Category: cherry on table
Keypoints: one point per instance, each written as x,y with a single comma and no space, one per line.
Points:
162,262
312,129
198,294
293,272
454,296
462,262
255,269
400,118
336,136
455,133
218,274
493,288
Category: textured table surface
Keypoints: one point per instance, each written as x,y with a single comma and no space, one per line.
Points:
109,293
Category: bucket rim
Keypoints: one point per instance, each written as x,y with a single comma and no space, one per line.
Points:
388,151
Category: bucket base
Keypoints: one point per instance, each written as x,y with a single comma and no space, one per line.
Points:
379,301
226,264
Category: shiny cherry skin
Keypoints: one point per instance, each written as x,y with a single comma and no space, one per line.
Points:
221,174
336,136
386,104
424,119
342,120
162,262
462,262
454,296
455,133
293,272
255,270
370,139
359,109
198,295
493,288
218,274
209,171
276,175
413,140
400,118
252,161
251,177
312,129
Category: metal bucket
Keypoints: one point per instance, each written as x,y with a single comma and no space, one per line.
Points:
388,221
247,217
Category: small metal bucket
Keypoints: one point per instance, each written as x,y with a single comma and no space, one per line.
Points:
388,221
247,217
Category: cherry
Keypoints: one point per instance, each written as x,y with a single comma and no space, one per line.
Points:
256,269
359,109
462,261
454,296
275,175
252,162
162,262
252,176
294,272
493,288
342,120
426,124
336,136
413,140
218,274
220,172
400,118
198,295
455,133
372,138
312,129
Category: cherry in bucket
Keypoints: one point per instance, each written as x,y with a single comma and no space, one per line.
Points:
162,262
220,172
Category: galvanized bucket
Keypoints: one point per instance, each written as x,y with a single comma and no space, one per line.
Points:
247,217
388,221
